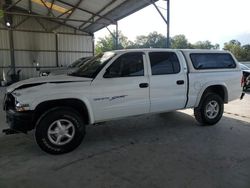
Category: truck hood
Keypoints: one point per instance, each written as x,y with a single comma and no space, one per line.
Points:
46,79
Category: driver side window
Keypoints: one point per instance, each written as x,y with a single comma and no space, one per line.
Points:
127,65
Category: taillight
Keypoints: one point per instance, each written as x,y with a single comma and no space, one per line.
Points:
242,81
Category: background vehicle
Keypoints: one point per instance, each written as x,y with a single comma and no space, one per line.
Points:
64,70
119,84
9,78
246,76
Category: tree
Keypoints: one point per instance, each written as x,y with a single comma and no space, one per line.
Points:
157,40
105,44
205,45
152,40
246,52
235,48
216,46
180,42
108,43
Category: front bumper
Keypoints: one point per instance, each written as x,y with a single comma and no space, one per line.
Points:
20,121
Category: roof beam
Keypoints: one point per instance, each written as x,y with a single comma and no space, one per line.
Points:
106,24
79,8
49,9
106,6
68,16
14,4
73,9
158,10
41,24
21,22
47,17
32,14
76,29
143,3
30,6
65,13
38,31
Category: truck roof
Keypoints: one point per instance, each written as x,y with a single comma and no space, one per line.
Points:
168,49
186,53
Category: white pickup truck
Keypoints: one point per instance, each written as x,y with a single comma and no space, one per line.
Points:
119,84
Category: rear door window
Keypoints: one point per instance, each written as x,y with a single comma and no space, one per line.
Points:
212,61
164,63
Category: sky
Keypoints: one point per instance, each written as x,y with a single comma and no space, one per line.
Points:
215,20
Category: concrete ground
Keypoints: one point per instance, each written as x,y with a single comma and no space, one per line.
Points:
164,150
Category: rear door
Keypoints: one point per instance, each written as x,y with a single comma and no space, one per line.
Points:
168,81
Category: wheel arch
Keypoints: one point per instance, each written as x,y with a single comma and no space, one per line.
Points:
80,106
219,89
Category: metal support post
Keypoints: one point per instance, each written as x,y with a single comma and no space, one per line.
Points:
57,56
167,21
116,36
93,44
30,6
12,51
168,25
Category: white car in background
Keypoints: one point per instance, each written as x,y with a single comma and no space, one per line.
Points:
64,70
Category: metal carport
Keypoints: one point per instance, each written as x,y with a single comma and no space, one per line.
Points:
55,32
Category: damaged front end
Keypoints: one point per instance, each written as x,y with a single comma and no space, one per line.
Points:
18,116
20,98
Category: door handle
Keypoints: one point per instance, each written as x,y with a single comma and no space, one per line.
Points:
180,82
143,85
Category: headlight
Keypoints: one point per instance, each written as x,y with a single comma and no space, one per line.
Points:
22,107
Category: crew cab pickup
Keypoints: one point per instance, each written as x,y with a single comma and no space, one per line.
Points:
119,84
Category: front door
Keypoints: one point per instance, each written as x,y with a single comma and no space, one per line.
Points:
123,89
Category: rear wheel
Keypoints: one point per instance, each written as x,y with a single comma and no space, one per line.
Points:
210,110
59,130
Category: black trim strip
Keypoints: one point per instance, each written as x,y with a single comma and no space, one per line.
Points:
41,83
187,94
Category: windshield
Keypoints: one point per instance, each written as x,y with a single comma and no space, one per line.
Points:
78,62
92,67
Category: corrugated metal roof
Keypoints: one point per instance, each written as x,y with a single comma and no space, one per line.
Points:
85,15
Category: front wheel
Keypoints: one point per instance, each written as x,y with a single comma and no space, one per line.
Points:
210,110
59,130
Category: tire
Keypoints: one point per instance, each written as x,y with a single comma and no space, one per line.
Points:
210,109
59,130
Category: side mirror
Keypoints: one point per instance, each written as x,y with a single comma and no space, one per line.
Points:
107,74
110,74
